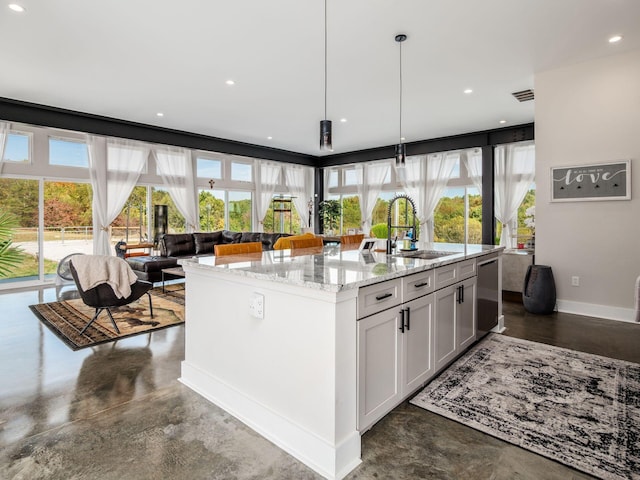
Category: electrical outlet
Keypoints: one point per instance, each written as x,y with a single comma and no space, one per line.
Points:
575,281
256,305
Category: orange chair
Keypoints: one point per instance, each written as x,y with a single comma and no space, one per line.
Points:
237,248
355,239
306,246
284,243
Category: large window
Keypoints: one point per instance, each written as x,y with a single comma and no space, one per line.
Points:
458,216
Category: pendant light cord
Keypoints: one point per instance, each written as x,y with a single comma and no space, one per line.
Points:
400,92
325,59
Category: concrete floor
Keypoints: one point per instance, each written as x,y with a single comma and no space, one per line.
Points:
118,412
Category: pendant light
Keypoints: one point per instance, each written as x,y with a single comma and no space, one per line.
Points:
401,152
325,125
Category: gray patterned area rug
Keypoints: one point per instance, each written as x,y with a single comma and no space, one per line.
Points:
579,409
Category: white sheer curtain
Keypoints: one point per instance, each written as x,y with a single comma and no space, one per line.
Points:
267,176
4,134
114,169
176,169
425,180
372,174
515,169
299,181
472,159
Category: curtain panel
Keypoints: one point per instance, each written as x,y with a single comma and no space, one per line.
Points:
267,179
114,168
514,173
425,178
373,175
299,182
4,134
177,172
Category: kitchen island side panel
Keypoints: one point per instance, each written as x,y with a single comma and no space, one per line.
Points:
291,375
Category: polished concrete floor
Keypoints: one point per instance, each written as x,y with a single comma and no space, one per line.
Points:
118,412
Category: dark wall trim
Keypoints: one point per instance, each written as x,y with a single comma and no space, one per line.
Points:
488,206
42,115
517,133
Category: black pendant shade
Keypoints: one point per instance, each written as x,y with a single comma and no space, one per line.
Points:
325,135
401,154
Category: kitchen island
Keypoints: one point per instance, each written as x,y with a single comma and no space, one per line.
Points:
273,339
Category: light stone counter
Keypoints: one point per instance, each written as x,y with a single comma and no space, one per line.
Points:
334,269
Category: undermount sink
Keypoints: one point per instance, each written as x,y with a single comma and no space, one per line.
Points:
425,254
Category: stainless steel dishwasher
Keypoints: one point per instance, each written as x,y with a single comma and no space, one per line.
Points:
487,296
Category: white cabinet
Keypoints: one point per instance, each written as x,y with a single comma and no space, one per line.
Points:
455,321
379,346
417,343
394,357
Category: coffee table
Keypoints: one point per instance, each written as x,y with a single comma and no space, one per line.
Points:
171,273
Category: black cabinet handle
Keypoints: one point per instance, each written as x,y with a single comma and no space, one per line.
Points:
459,294
408,317
420,285
382,297
401,321
462,293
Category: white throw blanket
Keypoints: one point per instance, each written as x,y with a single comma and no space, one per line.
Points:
94,270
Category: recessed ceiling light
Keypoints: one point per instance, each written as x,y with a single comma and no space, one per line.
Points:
402,139
269,138
343,120
230,82
615,39
502,121
468,91
16,8
159,114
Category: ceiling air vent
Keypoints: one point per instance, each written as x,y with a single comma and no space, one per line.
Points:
524,95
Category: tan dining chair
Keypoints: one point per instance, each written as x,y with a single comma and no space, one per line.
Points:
237,248
306,246
354,239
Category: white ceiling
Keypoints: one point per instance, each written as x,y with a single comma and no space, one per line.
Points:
131,59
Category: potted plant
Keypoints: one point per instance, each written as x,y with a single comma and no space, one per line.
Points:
10,256
330,211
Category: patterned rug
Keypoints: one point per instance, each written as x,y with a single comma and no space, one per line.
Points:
67,318
579,409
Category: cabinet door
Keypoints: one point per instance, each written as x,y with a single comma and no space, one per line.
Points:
466,315
417,344
379,344
444,330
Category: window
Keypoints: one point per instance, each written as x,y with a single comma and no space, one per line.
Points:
352,177
17,148
241,172
212,210
458,216
68,153
240,211
209,168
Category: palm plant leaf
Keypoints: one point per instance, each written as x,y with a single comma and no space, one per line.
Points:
10,256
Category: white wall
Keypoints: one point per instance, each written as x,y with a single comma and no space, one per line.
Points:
590,113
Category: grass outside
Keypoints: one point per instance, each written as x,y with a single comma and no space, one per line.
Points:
29,267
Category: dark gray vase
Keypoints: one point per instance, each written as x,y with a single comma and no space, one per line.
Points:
539,292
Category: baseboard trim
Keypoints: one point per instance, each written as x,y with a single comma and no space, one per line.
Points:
330,461
594,310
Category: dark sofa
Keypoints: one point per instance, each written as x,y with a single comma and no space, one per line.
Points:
174,246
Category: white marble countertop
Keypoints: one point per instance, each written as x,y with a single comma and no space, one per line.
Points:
334,269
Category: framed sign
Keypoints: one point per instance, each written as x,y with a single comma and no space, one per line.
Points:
367,244
605,181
